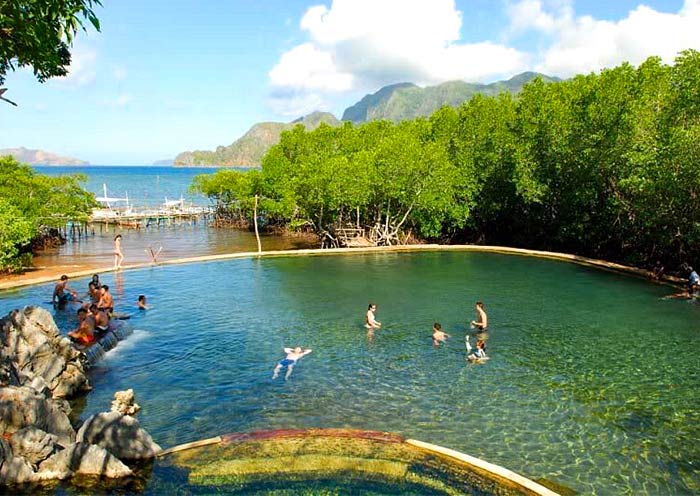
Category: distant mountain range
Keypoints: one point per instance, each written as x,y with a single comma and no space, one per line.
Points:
403,101
396,102
40,157
248,150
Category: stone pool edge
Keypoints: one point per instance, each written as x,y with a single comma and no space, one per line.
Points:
591,262
493,471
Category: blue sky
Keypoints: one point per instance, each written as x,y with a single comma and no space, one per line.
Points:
168,76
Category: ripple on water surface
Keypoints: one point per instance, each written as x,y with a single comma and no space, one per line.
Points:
592,381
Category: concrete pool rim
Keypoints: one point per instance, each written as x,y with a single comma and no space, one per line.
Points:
493,471
567,257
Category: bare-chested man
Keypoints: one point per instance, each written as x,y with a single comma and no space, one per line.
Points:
62,294
293,354
370,321
482,320
106,302
85,332
101,319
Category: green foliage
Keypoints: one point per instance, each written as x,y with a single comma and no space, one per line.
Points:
38,33
16,231
30,201
604,165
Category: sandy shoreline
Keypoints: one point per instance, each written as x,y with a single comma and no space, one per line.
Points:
42,275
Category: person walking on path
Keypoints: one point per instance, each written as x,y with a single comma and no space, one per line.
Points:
118,255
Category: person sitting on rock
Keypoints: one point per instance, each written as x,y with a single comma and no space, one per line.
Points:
85,332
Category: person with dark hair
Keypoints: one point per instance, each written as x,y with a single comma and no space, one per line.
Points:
479,354
106,302
101,319
142,302
84,334
118,255
370,321
482,320
438,335
62,294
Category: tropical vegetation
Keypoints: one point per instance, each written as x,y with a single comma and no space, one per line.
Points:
30,203
604,165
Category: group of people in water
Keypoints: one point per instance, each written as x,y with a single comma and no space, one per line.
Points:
481,323
477,354
94,315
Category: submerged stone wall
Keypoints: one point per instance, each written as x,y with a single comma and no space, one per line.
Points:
39,368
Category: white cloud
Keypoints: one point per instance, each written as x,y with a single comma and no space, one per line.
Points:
82,69
364,44
360,45
120,101
584,44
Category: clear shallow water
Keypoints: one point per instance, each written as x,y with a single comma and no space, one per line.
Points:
148,186
593,378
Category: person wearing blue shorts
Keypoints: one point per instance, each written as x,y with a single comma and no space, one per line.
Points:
293,355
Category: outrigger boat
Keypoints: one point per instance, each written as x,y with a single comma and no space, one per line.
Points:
109,210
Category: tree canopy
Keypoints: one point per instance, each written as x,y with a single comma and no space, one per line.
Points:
39,33
30,201
604,165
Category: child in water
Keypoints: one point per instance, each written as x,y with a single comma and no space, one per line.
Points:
479,353
438,335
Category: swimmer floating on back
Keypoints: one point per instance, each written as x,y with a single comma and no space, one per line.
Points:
293,355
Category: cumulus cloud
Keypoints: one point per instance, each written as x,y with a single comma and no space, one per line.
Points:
364,44
81,71
361,45
584,44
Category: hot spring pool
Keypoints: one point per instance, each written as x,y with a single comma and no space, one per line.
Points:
592,383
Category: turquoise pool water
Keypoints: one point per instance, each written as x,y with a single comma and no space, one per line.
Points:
592,383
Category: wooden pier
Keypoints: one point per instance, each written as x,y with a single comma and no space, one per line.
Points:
146,218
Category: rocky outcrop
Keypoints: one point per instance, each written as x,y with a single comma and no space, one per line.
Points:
38,368
82,459
22,407
120,434
124,403
32,348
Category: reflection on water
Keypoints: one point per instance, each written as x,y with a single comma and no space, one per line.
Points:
592,381
174,241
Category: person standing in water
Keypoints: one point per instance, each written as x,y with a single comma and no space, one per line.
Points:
293,355
482,320
370,321
62,294
118,255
